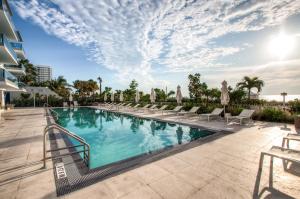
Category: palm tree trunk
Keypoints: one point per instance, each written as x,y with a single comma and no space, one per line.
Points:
249,93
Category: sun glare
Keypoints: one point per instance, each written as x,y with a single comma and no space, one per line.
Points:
281,45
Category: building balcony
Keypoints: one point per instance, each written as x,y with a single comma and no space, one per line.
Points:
7,53
8,81
17,70
18,48
7,26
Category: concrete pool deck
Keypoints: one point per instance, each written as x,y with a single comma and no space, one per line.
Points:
226,167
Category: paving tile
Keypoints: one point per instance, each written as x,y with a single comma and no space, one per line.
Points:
124,183
99,190
173,187
172,164
196,177
151,172
144,192
221,189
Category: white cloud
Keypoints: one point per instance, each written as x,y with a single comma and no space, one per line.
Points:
131,37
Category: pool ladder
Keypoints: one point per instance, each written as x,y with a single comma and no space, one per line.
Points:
83,143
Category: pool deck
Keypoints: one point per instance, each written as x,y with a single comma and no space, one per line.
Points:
226,167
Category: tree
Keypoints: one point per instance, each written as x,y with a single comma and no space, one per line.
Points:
31,72
196,88
129,93
85,88
59,86
248,83
170,93
160,94
236,95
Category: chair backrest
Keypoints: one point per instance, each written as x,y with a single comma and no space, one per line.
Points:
65,104
153,106
194,109
177,108
163,107
128,105
75,103
246,113
217,111
146,106
136,105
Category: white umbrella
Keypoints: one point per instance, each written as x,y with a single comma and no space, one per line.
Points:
224,95
70,98
105,97
152,96
178,95
137,96
121,97
112,98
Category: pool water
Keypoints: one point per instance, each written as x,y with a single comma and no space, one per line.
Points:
114,136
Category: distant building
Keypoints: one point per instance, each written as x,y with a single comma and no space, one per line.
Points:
44,73
254,95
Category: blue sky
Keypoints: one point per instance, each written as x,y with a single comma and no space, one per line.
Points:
159,43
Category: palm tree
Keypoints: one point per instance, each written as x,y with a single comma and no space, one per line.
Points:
100,84
249,83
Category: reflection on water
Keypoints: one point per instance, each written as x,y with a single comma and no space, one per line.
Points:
114,136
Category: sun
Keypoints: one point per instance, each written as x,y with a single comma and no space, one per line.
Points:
281,45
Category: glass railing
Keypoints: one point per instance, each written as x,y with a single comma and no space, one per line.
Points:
17,45
5,75
6,43
7,13
15,67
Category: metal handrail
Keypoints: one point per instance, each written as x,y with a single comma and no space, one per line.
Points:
50,108
85,151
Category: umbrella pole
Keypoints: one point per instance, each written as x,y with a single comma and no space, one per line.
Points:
224,113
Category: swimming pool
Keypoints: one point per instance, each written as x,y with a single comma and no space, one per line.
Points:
114,137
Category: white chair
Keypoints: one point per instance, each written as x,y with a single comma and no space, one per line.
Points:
246,114
215,113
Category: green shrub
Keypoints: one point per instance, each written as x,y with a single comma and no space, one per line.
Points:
295,106
274,115
234,110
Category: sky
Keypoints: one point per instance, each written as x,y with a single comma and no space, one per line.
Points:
160,42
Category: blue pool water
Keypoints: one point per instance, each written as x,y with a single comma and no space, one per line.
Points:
114,136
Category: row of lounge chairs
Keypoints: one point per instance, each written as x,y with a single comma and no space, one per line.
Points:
246,114
75,104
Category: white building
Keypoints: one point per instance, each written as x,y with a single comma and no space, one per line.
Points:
44,73
11,51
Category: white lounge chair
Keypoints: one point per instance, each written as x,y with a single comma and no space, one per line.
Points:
152,107
289,137
281,153
143,108
65,104
175,110
133,108
192,111
215,113
246,114
162,108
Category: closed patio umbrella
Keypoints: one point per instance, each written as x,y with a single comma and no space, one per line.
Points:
178,95
152,96
121,97
105,97
224,95
70,98
137,96
112,98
